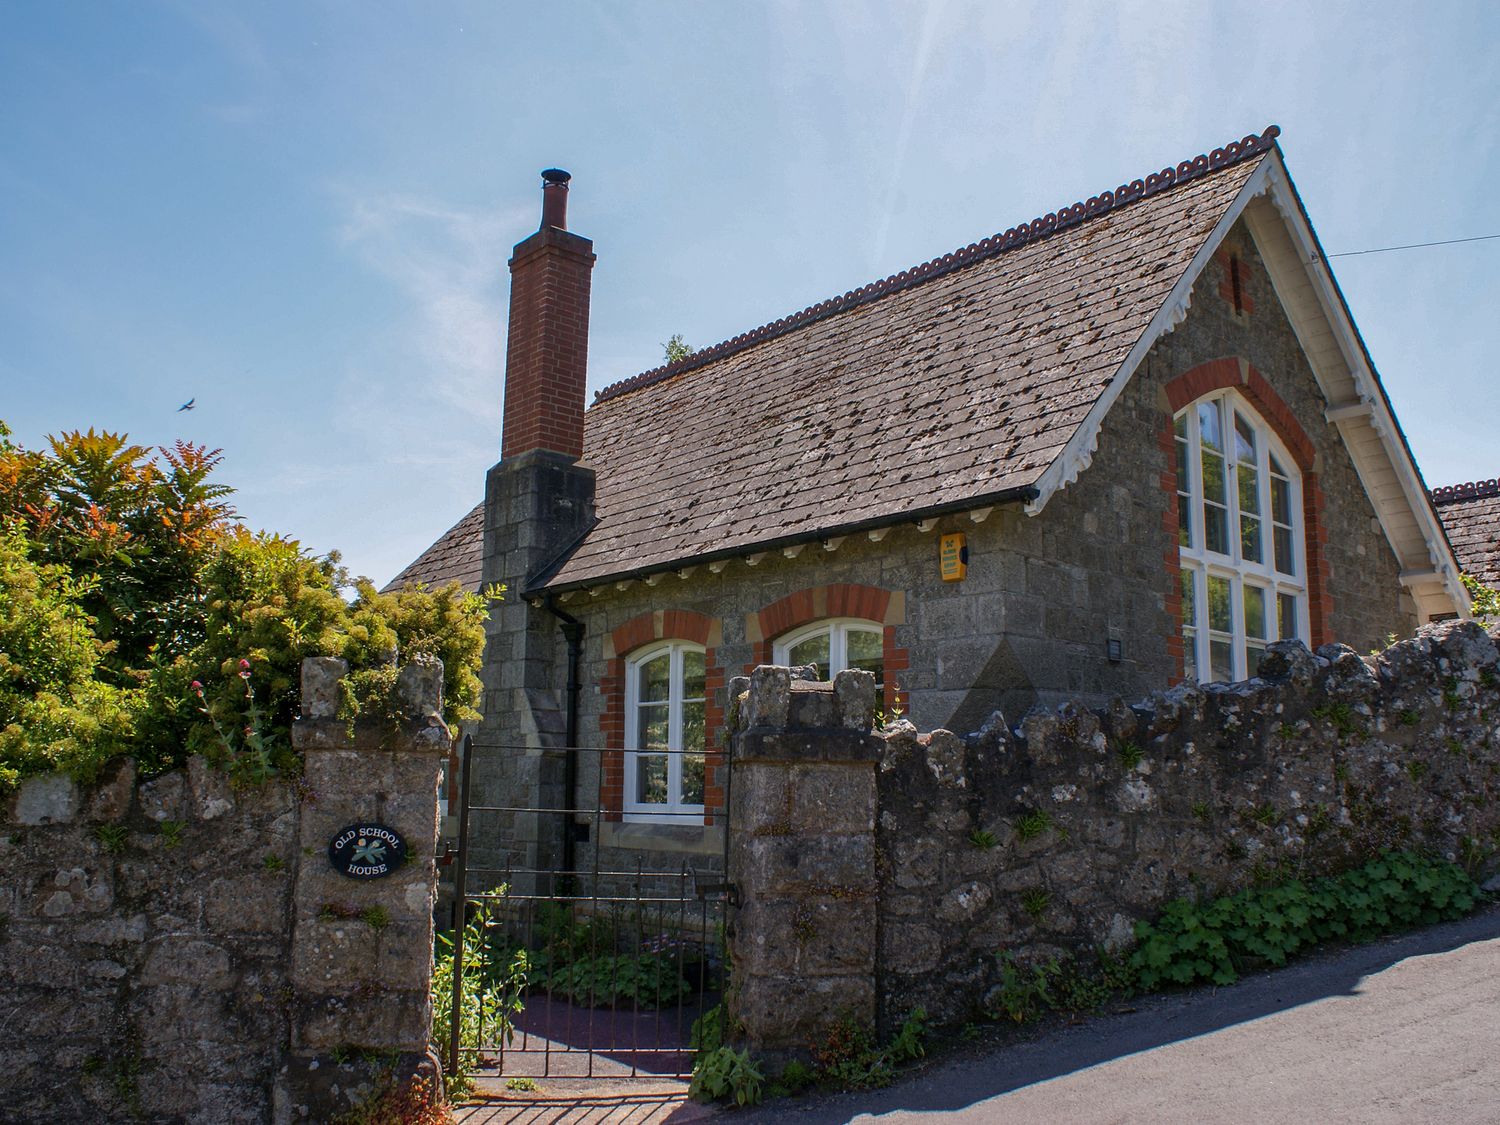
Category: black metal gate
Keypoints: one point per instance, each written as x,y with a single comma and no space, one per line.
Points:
590,960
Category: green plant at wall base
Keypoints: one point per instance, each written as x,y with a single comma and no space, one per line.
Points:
707,1032
1033,824
521,1085
982,838
1472,854
1201,810
171,832
1410,718
112,837
1416,769
1218,940
793,1079
494,982
850,1060
389,1103
726,1074
1024,992
1130,755
273,863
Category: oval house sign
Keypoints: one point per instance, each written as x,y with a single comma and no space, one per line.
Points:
367,851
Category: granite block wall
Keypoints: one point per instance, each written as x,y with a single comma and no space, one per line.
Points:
1053,836
180,949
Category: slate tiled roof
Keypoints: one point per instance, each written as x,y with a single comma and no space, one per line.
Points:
457,557
955,383
1471,517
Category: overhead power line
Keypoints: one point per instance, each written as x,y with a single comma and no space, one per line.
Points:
1412,246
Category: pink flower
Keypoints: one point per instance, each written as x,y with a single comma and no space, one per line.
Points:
244,669
196,686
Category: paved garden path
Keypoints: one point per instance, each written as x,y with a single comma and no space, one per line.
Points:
1405,1030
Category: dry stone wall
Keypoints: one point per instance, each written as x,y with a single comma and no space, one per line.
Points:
181,949
1053,837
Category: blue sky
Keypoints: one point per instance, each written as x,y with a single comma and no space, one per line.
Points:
300,213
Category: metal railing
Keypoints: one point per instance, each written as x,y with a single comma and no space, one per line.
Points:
582,965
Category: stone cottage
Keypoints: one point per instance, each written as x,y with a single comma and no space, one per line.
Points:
1130,442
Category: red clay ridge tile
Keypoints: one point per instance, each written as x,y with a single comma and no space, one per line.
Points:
1040,227
1473,490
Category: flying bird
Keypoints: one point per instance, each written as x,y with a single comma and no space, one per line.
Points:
188,405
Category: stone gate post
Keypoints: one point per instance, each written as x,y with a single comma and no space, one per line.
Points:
361,947
802,856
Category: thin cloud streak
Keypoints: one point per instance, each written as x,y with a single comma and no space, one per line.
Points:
932,18
446,262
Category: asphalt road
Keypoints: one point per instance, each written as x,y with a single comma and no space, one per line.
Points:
1405,1030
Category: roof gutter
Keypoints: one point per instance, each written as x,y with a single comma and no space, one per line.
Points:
540,584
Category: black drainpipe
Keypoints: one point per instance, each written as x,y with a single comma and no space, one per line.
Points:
572,631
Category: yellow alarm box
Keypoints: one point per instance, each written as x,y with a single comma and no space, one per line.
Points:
953,557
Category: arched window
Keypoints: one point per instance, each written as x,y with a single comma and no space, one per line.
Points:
1239,515
665,696
835,645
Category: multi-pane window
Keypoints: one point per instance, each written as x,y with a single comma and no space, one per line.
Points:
835,645
1240,538
664,733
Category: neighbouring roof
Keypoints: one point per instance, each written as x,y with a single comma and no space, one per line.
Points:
457,557
1471,514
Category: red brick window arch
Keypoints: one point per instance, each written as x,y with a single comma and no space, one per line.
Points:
833,644
837,626
1246,515
662,717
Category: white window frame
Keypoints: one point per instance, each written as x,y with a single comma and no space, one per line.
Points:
838,630
1198,563
675,810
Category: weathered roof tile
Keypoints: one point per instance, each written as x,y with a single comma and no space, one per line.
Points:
1471,516
955,381
456,557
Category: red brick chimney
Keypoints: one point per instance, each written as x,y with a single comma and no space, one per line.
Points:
546,357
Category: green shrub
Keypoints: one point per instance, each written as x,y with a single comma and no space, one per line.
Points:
55,713
1217,940
645,981
492,991
1486,600
138,617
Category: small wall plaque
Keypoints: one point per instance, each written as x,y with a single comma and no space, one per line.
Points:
953,557
367,851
